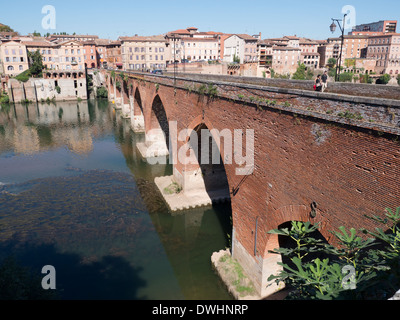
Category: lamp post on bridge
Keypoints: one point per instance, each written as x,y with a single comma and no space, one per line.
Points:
333,28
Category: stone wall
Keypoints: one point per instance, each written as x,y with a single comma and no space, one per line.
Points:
37,90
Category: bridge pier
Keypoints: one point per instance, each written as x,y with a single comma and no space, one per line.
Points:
137,118
155,146
258,268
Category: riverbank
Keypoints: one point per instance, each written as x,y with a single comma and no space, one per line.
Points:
55,87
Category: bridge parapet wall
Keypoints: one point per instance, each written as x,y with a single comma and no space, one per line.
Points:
380,114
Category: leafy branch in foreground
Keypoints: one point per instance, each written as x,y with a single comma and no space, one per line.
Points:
356,269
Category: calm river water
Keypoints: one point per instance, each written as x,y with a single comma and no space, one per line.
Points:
76,194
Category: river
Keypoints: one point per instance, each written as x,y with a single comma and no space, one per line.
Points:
76,194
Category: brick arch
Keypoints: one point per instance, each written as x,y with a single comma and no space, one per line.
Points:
156,117
291,213
217,169
138,101
199,120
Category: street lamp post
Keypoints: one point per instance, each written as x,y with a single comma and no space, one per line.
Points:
333,28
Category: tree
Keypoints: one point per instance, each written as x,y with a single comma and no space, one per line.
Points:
236,59
102,93
300,73
4,28
332,62
398,79
36,62
384,79
303,74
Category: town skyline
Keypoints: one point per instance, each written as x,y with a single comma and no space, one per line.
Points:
294,18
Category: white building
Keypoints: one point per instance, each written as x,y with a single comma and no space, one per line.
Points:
242,46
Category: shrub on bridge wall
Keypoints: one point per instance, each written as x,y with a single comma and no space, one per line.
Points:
356,270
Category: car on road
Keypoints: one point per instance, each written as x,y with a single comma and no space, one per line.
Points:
157,72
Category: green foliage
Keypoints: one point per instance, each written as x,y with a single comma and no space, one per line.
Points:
384,79
202,89
101,93
236,59
332,62
24,76
118,85
365,78
4,99
302,74
36,63
58,89
272,73
398,79
212,90
349,115
346,77
375,262
4,28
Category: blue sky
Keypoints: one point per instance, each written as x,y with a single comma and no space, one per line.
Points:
110,19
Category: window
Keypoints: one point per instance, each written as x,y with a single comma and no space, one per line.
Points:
10,68
21,68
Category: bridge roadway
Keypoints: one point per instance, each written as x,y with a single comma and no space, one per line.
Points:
328,158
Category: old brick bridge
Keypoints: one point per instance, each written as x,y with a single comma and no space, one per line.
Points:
327,157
